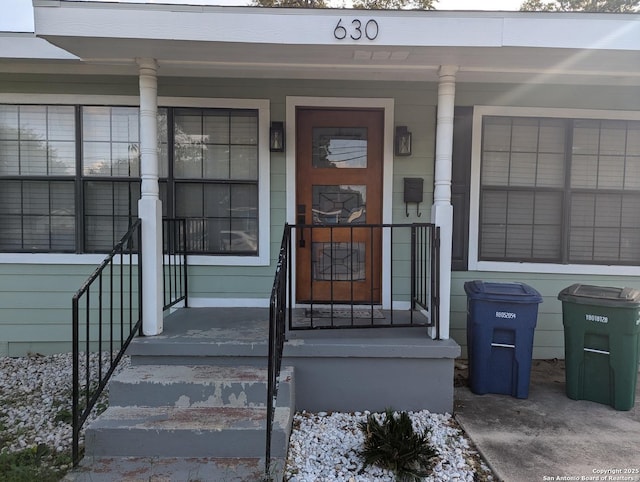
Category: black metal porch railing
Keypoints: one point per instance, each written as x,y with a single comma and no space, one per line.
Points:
348,294
414,267
109,305
174,269
278,309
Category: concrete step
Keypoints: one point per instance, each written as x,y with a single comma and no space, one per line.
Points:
186,432
196,386
192,469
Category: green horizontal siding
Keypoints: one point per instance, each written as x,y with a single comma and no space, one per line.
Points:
35,300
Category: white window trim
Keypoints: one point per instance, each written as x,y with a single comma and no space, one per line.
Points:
264,170
474,213
387,105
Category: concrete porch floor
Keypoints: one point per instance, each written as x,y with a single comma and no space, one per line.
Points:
343,369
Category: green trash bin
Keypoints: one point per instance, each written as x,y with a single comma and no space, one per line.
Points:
601,338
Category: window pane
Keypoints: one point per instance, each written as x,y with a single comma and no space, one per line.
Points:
189,144
188,161
523,169
496,134
33,158
244,201
96,158
33,122
339,147
110,209
494,222
216,127
9,122
61,123
632,173
189,200
216,162
125,125
495,169
586,137
222,218
244,128
9,158
338,261
630,245
244,163
62,158
10,233
111,144
10,197
96,124
519,241
604,227
339,204
613,138
37,216
584,171
552,136
524,135
633,139
217,202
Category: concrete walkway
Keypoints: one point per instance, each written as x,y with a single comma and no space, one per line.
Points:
549,437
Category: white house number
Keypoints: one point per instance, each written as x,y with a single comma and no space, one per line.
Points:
356,31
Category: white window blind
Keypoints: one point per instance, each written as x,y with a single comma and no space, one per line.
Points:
560,190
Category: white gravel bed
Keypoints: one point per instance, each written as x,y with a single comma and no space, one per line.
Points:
35,400
35,408
325,448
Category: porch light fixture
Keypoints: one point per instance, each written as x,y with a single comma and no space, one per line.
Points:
402,141
276,137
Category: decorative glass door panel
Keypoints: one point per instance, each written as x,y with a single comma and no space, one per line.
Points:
339,204
339,198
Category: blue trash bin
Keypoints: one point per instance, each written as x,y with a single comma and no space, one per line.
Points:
501,320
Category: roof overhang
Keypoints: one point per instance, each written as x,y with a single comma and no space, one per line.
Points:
191,40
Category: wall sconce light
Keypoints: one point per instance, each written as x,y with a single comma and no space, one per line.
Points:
276,137
402,141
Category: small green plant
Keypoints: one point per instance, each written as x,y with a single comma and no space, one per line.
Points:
394,445
64,416
27,465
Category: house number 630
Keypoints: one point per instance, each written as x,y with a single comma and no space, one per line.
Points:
356,31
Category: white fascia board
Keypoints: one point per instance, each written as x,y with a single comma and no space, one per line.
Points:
29,47
316,27
616,32
260,25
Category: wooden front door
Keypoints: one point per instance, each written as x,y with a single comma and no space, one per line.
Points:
339,188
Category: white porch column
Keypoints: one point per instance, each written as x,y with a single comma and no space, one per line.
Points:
149,206
442,210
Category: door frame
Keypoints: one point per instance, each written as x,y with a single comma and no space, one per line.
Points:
387,106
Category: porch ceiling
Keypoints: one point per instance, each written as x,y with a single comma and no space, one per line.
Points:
299,44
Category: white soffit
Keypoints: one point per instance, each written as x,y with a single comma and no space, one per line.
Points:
27,46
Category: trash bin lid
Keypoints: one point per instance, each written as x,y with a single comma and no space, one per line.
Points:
510,292
601,296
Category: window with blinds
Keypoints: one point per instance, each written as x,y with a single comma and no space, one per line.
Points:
560,190
110,174
37,178
70,177
215,179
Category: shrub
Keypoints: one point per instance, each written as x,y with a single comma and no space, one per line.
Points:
394,445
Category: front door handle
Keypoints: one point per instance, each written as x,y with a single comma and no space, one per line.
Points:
302,219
